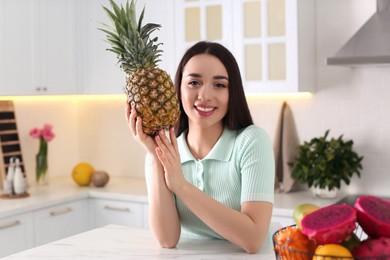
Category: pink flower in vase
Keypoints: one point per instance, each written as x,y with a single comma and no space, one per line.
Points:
44,135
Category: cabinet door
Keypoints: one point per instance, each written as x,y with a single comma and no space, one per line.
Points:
16,234
61,221
16,47
117,212
272,40
101,73
202,21
55,46
38,52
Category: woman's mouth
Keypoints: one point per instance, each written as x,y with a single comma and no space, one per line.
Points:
205,110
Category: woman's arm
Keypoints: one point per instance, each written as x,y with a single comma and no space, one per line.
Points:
247,228
163,217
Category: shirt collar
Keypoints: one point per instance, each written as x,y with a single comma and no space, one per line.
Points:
221,151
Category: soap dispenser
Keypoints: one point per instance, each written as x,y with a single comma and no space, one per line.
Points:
11,169
8,184
19,180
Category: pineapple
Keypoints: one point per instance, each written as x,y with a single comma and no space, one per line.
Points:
149,89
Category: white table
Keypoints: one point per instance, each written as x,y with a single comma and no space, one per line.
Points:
120,242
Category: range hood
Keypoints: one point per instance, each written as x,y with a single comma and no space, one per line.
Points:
370,45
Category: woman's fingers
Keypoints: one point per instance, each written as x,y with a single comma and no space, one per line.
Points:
172,136
132,121
138,125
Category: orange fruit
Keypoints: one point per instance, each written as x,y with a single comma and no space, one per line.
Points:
331,252
82,173
293,244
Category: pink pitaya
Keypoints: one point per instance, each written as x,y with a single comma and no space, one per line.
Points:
330,224
373,215
374,247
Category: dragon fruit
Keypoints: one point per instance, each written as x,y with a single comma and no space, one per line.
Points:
331,224
373,215
374,247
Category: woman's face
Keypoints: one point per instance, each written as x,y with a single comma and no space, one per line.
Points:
204,91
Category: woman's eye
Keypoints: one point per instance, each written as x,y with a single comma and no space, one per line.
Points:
194,83
220,85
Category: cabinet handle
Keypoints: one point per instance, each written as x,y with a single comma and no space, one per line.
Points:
60,212
124,209
9,225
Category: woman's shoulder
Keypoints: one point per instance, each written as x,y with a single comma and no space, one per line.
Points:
252,136
252,131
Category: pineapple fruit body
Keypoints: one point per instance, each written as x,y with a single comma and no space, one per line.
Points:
151,92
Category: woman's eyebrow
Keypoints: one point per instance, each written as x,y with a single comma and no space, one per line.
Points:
221,77
197,75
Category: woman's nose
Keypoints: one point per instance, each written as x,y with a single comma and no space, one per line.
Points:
204,93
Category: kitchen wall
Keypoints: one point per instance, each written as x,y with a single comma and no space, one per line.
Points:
347,101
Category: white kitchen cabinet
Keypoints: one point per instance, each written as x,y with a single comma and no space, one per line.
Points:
16,233
61,221
101,73
272,40
38,54
117,212
16,47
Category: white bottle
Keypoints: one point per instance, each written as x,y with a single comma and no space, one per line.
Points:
8,183
19,180
11,169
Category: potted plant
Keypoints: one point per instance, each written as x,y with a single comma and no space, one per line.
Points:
323,164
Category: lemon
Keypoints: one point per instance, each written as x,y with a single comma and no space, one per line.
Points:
82,173
331,251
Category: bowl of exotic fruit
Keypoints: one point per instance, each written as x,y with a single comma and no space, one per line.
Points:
337,231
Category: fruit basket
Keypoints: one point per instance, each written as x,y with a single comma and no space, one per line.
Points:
283,252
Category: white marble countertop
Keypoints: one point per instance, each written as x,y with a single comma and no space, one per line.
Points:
61,190
120,242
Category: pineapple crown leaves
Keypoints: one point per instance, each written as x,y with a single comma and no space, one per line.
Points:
129,40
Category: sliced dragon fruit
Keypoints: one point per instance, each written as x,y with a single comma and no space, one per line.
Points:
330,224
373,215
374,247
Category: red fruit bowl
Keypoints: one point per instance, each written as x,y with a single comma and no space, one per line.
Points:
282,252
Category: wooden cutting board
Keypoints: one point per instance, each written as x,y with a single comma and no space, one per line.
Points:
9,137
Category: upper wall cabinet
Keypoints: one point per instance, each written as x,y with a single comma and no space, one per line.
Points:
272,40
55,47
38,47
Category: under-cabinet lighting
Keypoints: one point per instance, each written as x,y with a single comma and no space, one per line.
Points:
65,97
281,95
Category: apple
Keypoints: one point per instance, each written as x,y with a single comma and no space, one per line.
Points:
301,210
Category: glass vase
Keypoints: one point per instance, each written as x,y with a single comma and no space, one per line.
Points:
41,163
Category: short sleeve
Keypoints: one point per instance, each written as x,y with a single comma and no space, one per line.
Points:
257,165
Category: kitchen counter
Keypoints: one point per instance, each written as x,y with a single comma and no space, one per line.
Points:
120,242
63,189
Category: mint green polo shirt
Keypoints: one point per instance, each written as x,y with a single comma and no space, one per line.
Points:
239,168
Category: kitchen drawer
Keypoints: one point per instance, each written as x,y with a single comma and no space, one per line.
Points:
16,234
126,213
61,221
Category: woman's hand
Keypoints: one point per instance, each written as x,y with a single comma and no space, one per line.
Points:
135,124
168,154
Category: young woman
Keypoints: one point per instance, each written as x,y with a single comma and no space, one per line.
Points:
214,175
